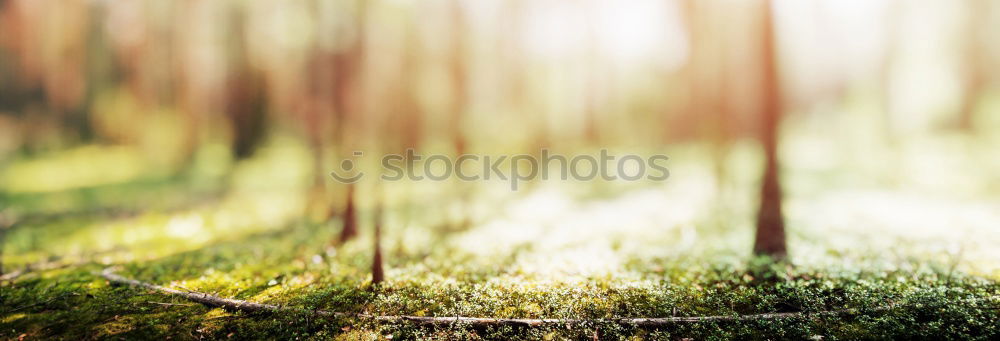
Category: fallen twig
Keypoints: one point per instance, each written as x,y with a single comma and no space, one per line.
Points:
172,304
10,276
206,299
252,307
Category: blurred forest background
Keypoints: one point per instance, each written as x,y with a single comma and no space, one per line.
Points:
133,131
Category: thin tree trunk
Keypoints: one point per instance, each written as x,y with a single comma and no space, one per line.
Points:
346,104
378,275
459,76
975,77
246,96
770,238
350,229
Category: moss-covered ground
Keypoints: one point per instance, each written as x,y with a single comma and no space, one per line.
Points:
547,251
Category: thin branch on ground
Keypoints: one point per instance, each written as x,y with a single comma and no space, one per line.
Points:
10,276
172,304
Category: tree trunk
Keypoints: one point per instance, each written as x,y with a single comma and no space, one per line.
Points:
346,105
770,238
378,275
246,107
975,75
350,217
246,96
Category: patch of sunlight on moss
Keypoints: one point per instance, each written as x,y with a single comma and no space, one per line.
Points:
359,335
119,325
217,313
242,212
902,225
213,321
13,317
279,290
558,236
79,167
942,164
158,234
224,283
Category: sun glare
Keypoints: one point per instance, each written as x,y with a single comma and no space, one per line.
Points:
621,32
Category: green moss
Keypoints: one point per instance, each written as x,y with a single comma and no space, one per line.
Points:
254,245
72,302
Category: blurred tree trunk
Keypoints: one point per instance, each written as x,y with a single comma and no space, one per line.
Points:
350,229
975,70
246,108
316,112
318,123
459,71
459,76
770,238
709,76
346,107
407,121
246,96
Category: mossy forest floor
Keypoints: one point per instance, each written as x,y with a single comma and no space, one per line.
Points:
551,250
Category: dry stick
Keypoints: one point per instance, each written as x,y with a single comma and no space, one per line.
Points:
10,276
171,304
252,307
206,299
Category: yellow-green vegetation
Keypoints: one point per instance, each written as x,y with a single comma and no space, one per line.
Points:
552,250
